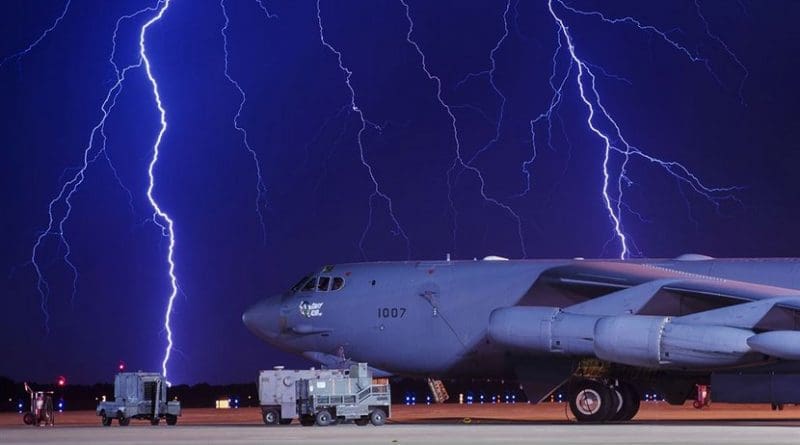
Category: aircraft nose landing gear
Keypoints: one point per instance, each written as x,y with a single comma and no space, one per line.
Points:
596,401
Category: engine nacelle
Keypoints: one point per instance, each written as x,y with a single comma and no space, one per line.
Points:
658,342
542,329
638,340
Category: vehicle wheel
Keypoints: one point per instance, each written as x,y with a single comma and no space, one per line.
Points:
307,420
363,421
323,418
28,419
618,410
286,421
271,416
124,421
104,419
377,417
171,420
591,401
631,401
155,421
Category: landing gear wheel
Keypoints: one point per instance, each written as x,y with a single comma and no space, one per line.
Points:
285,421
171,420
362,421
155,421
271,417
377,417
619,404
28,419
630,401
124,421
591,401
323,418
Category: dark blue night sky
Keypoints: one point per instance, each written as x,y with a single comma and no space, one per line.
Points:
729,116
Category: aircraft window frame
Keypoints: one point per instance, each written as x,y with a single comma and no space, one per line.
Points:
324,279
333,284
310,285
299,284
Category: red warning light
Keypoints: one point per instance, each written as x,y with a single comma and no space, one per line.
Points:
61,380
121,366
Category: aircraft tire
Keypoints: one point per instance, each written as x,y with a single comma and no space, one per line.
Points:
591,401
618,411
631,401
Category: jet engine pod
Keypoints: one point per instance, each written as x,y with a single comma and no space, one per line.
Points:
542,329
781,344
659,342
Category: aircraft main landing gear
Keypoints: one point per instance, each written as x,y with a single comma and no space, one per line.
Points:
596,401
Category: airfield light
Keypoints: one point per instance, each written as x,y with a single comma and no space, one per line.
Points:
61,381
121,366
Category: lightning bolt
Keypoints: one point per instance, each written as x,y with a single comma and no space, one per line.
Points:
160,217
21,53
557,88
377,193
490,74
458,160
602,124
69,188
725,46
56,221
261,189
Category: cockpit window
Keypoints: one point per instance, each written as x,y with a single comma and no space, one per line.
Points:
310,285
322,285
338,283
300,283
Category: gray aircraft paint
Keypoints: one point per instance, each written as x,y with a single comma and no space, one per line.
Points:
430,318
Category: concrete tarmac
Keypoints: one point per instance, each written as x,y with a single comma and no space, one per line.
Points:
409,434
549,423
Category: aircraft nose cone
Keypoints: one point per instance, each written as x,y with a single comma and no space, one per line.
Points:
262,318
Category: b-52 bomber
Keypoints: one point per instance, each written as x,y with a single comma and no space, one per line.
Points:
601,329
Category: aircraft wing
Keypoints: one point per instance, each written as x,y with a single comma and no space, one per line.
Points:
652,290
653,317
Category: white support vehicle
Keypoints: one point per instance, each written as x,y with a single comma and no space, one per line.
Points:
139,395
323,397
